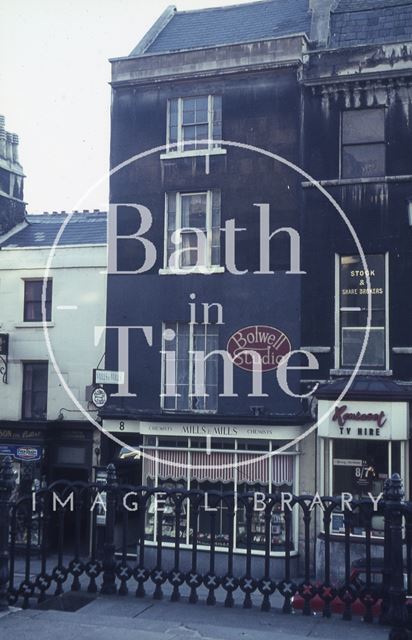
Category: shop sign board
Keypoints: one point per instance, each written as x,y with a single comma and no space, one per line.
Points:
23,453
364,420
101,376
215,430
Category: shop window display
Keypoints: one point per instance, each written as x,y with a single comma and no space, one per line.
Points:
359,468
238,471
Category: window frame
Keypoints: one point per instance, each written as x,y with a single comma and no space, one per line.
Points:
191,398
178,147
343,145
338,327
193,445
48,301
179,268
25,364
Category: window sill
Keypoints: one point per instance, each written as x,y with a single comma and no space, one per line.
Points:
365,372
340,182
207,271
33,325
335,536
218,549
192,153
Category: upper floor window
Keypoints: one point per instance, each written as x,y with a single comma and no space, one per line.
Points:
35,377
194,123
181,389
32,300
353,311
192,230
363,143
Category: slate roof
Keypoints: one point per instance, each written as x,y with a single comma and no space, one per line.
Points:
41,230
356,22
232,24
366,387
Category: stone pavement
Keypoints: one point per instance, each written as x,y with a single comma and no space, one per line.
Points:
130,618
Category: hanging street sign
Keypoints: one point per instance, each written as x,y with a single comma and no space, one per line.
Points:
99,397
101,376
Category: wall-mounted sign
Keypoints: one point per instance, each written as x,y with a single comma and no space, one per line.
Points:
101,376
346,462
364,420
99,397
22,453
258,431
270,343
343,415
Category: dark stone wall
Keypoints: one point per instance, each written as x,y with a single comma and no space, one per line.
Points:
259,109
378,212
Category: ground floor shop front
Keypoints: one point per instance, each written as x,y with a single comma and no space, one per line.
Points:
210,457
44,452
363,440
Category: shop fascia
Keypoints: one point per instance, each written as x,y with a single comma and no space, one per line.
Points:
363,420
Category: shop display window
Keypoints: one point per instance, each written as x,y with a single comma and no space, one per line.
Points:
230,469
361,467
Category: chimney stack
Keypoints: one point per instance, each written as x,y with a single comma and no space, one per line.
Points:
15,147
9,147
320,21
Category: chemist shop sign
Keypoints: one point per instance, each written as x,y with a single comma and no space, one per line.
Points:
363,420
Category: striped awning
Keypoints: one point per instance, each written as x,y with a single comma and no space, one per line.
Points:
171,463
253,468
282,469
217,466
214,466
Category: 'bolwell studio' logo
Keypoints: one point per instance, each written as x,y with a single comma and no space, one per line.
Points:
271,345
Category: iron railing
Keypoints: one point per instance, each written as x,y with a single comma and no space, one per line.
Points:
38,559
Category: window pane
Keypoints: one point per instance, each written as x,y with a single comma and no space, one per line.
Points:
33,290
194,211
188,117
360,318
363,125
173,134
361,478
35,390
32,300
171,211
352,340
189,104
363,161
189,255
360,467
354,310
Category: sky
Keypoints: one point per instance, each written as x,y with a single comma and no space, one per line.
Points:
54,91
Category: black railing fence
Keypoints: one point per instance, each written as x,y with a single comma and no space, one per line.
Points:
94,537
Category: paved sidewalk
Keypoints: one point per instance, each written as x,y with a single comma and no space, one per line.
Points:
129,618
